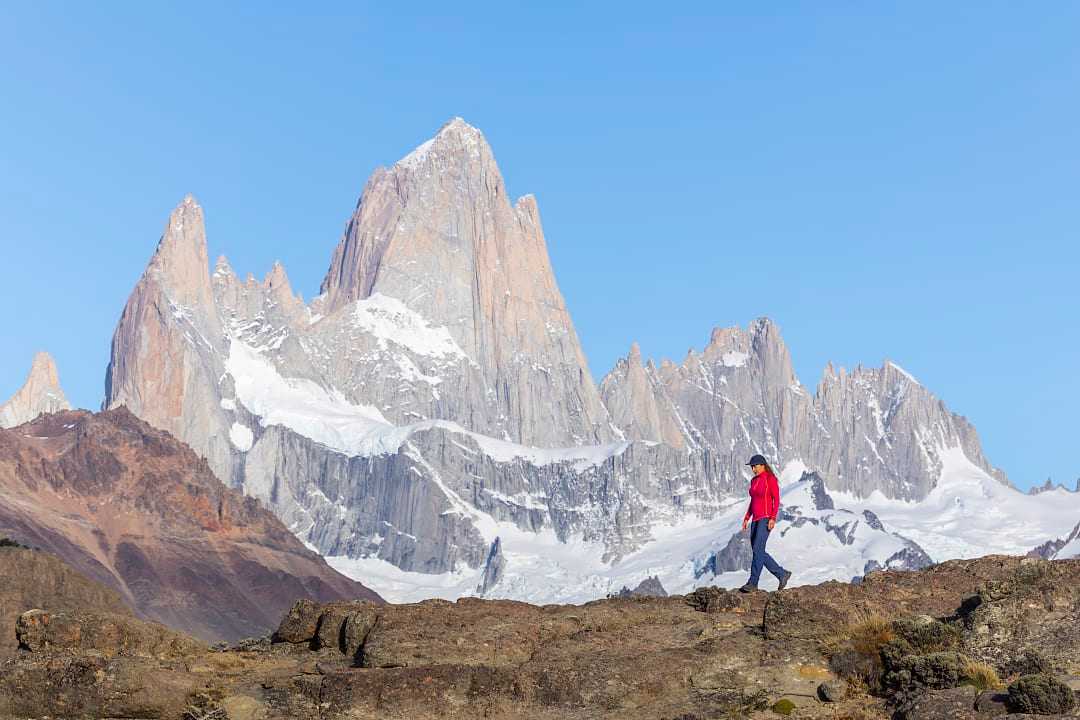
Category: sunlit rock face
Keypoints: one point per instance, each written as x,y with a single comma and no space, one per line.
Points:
40,394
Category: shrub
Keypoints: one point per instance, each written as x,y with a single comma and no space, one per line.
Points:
1029,662
926,635
1041,695
981,676
8,542
940,670
783,707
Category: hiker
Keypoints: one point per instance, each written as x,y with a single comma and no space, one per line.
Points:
761,519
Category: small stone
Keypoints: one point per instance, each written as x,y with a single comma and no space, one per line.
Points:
831,691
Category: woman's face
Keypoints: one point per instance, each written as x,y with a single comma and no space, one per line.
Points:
758,469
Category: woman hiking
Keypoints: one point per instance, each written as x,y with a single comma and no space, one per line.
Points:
761,519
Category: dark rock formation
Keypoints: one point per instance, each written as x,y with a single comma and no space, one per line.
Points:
649,587
1049,549
493,569
822,499
737,554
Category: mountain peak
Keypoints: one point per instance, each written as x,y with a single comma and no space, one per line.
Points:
41,393
457,124
180,262
456,138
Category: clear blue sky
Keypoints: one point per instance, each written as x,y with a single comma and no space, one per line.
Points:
895,182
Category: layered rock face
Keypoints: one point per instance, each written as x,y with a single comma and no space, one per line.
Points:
41,393
136,510
434,398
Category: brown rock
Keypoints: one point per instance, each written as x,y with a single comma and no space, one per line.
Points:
953,704
107,634
468,632
301,622
136,510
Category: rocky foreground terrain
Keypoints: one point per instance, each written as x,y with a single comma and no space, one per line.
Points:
964,639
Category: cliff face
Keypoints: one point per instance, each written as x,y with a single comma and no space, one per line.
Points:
41,393
136,510
438,232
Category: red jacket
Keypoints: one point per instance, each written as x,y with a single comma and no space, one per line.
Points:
764,497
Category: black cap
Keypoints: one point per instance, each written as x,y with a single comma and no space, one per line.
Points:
757,460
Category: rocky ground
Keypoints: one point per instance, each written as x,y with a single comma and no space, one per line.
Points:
917,645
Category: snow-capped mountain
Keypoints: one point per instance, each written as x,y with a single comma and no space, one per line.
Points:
429,421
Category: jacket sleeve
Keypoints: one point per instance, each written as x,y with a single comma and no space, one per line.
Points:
773,495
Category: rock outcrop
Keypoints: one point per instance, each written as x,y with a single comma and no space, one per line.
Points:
36,579
133,508
41,393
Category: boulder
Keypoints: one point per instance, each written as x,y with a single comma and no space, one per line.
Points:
831,691
301,623
949,704
108,634
714,600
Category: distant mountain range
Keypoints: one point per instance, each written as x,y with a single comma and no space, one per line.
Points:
429,422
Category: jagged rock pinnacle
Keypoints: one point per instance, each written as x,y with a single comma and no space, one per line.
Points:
41,393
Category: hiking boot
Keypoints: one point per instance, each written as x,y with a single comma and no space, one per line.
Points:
784,579
747,588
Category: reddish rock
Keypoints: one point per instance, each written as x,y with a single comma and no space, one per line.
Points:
136,510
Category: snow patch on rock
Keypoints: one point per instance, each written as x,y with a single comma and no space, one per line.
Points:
390,321
241,436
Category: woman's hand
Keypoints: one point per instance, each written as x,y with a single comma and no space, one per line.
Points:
745,523
772,523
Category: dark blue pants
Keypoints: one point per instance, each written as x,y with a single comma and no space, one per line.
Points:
759,535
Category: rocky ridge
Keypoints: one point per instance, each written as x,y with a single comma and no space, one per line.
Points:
41,393
901,644
134,509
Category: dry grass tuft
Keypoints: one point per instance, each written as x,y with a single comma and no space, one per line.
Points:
866,634
981,676
854,652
